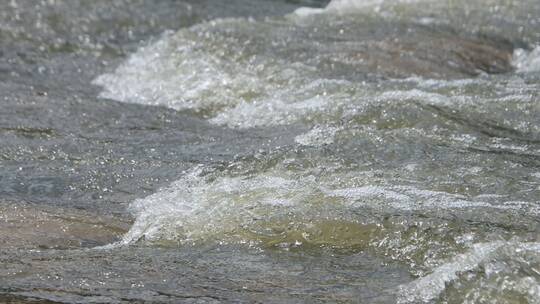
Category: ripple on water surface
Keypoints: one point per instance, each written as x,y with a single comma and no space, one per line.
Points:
422,148
411,173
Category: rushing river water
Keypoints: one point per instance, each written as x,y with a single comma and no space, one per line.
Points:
357,151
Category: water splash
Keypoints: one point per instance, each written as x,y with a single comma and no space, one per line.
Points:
485,255
527,61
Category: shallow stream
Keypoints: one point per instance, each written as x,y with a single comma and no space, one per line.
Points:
357,151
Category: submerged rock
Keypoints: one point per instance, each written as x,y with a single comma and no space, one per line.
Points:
26,226
414,50
273,158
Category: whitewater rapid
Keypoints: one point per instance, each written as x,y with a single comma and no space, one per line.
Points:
415,130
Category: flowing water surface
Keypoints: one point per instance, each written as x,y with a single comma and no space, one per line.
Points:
357,151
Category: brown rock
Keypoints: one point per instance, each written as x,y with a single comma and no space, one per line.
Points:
29,226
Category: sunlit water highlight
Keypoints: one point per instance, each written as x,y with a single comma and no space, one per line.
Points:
411,165
409,159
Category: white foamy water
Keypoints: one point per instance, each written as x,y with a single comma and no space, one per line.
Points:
318,136
349,6
203,206
244,73
178,73
193,208
205,70
428,288
336,153
413,153
527,61
287,206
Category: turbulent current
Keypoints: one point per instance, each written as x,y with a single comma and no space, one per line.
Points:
357,151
